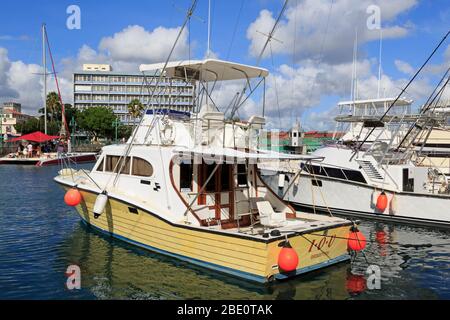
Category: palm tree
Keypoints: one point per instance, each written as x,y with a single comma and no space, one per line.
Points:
53,104
135,108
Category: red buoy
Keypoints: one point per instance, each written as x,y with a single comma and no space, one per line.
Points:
380,236
356,284
382,202
287,258
356,240
73,197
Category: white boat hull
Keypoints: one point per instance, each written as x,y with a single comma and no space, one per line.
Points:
356,199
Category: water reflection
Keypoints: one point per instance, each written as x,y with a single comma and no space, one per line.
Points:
112,269
40,237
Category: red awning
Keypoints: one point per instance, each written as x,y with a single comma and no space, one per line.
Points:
35,137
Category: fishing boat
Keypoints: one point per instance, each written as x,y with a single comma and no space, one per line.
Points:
378,165
187,185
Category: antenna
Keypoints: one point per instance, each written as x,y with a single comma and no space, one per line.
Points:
379,62
208,51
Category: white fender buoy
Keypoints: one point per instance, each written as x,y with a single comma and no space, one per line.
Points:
281,180
374,199
100,204
393,205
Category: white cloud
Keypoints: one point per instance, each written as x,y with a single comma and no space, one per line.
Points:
135,44
304,25
404,67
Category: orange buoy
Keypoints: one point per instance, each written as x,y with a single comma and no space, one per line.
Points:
356,240
73,197
382,202
287,258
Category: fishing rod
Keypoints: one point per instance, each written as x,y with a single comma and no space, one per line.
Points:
427,106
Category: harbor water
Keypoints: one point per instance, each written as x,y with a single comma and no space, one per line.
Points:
40,237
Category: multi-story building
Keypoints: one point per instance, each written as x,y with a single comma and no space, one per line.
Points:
10,115
99,85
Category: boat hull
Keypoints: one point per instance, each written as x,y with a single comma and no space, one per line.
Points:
87,158
350,199
44,162
233,254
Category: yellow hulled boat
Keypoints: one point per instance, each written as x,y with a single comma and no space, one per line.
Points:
187,186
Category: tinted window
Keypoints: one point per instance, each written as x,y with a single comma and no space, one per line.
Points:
226,177
211,186
186,171
355,176
142,168
351,175
242,174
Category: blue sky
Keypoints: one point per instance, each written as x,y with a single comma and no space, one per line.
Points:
422,24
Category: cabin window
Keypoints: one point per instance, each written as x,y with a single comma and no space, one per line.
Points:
225,177
211,185
100,166
351,175
242,174
142,167
112,164
186,172
125,166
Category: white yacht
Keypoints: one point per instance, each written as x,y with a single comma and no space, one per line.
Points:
369,175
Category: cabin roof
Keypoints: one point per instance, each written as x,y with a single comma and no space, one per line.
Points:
207,70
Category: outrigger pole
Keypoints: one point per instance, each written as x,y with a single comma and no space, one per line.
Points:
269,36
161,75
358,148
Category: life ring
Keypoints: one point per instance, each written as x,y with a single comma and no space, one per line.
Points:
167,132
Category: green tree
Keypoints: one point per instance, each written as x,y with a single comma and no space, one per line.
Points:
97,121
135,109
29,126
124,132
53,105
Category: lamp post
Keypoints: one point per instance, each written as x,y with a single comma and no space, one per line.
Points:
73,125
116,124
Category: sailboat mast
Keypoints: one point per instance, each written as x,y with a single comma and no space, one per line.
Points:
208,51
44,75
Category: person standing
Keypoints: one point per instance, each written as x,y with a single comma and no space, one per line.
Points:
30,150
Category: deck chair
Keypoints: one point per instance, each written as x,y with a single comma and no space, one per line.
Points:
268,217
